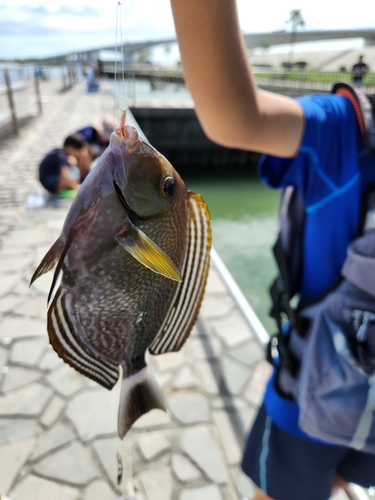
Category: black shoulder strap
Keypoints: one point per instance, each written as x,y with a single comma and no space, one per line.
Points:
288,252
364,106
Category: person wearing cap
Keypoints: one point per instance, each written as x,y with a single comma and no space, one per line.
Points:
314,144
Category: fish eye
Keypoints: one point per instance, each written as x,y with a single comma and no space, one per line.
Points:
168,186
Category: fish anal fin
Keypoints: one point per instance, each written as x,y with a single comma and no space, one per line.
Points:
50,259
145,251
184,311
139,395
65,340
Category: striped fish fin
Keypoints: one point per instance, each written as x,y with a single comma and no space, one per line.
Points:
50,259
178,324
71,349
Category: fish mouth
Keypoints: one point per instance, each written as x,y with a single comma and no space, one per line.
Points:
124,203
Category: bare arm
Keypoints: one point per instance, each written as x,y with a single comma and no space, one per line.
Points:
230,107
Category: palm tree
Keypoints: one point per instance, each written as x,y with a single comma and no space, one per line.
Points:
296,21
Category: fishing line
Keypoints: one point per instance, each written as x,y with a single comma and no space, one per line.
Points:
122,100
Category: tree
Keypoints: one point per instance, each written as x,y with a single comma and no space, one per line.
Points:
296,21
167,52
265,47
143,55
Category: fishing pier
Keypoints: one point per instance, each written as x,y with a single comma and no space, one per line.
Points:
58,430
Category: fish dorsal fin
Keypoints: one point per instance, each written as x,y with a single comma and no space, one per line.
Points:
183,314
62,331
50,259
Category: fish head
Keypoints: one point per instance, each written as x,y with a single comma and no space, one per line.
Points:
148,182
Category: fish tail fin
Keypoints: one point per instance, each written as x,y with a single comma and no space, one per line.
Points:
139,394
50,259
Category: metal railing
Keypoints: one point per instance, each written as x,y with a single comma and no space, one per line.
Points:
16,81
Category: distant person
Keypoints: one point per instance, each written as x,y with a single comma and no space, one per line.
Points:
358,72
91,77
62,169
97,136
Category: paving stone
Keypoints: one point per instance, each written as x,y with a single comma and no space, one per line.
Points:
35,236
36,488
22,327
152,419
43,284
152,445
209,374
49,440
66,380
36,307
214,283
189,407
244,484
183,468
249,353
50,360
12,430
107,450
206,347
199,444
94,413
98,490
9,282
233,329
23,289
229,441
211,492
8,265
53,411
4,355
185,379
157,483
340,495
29,401
214,306
12,459
235,375
138,496
246,418
163,378
10,302
169,361
18,377
72,465
230,403
256,386
28,352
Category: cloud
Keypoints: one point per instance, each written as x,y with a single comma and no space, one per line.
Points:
42,10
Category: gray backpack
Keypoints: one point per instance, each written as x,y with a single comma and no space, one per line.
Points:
326,361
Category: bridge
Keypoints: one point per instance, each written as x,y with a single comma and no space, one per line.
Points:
252,40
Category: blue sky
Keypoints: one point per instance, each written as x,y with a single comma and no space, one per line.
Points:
42,28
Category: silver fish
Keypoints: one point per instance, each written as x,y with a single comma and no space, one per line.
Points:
134,254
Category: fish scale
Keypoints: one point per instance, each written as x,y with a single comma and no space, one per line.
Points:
135,254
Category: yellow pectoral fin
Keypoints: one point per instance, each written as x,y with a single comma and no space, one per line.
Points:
145,251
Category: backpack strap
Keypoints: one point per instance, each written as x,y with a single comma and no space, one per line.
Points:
364,106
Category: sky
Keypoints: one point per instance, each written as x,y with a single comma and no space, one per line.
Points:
40,28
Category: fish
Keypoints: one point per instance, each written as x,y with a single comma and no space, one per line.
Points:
134,257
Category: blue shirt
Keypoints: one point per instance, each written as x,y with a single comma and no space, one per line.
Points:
331,171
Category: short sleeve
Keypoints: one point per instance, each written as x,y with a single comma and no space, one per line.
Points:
327,159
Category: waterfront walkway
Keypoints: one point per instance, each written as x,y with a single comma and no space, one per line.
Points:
58,430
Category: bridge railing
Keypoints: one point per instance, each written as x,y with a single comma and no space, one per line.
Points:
156,88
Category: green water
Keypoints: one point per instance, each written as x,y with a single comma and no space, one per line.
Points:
244,224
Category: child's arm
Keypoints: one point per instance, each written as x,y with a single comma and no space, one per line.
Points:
230,107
